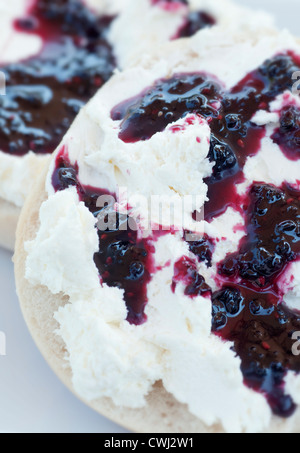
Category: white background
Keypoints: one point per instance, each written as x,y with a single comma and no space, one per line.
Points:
32,399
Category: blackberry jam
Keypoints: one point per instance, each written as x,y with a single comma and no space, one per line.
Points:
261,329
288,134
124,261
44,93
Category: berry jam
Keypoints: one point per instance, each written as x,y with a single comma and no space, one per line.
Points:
124,261
195,21
234,137
273,236
44,93
288,135
203,249
185,271
238,136
261,329
252,313
164,103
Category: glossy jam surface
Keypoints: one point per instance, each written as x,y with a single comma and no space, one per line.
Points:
124,261
261,329
273,235
203,248
252,313
164,103
185,272
45,92
288,134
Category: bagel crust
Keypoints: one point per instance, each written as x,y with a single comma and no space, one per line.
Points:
9,215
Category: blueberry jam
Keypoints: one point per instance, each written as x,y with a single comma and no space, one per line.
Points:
45,92
234,137
288,134
261,330
124,261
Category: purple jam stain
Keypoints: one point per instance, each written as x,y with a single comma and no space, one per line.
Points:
44,93
273,236
261,330
185,272
124,261
195,21
288,134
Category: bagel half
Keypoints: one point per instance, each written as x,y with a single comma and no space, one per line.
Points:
162,412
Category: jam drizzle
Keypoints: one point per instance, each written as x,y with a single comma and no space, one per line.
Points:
44,93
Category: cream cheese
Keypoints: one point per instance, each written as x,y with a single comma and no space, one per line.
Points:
145,27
